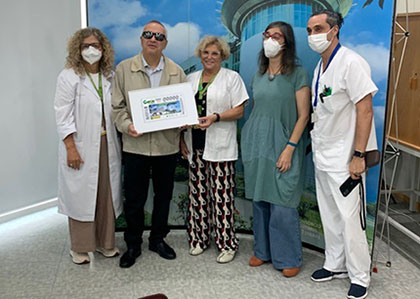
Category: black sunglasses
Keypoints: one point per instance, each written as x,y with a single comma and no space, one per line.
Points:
158,36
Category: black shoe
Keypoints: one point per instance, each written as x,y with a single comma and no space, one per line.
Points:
357,292
129,257
163,249
325,275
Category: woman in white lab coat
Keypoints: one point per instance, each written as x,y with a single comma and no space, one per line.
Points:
212,150
89,151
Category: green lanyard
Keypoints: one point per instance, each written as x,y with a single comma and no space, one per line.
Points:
201,90
98,90
101,96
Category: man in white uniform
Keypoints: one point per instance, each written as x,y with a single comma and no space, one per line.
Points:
342,92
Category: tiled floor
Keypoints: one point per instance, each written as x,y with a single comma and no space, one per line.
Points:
35,263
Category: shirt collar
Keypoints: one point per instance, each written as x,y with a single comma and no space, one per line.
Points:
160,66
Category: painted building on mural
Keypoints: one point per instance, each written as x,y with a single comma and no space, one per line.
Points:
247,19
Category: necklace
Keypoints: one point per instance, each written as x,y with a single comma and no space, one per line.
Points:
272,76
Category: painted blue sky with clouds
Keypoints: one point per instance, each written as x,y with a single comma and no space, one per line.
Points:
365,29
186,21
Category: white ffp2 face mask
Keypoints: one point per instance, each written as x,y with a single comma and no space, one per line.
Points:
319,42
271,48
91,55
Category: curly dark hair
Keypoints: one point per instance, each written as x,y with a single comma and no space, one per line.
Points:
289,50
74,59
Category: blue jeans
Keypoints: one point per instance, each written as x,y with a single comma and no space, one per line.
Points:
277,235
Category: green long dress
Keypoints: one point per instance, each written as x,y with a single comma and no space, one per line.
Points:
264,136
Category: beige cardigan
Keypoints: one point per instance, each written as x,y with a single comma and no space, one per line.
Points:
131,75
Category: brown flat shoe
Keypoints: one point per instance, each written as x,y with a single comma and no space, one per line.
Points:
255,262
290,272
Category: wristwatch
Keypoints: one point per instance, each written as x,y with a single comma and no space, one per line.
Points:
359,154
217,117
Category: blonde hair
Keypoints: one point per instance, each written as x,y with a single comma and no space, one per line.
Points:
74,59
209,40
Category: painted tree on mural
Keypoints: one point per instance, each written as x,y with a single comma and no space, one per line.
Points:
380,2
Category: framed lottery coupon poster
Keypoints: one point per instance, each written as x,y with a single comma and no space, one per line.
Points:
161,108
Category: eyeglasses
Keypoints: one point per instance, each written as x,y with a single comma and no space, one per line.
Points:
158,36
275,35
212,54
95,45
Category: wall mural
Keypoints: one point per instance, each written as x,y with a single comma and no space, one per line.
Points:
367,30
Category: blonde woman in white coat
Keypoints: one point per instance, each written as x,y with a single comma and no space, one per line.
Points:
212,151
89,169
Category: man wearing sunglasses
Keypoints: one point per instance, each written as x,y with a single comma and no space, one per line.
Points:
150,154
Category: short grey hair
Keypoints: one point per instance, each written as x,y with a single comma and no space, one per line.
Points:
157,22
209,40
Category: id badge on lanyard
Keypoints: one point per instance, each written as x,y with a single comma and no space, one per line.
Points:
99,90
314,116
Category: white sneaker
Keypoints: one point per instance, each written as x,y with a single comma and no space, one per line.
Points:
226,256
196,250
108,252
79,257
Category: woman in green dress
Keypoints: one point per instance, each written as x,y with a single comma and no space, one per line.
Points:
273,150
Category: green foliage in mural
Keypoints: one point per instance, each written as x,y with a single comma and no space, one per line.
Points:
302,208
309,214
182,208
240,222
371,208
181,171
121,224
240,186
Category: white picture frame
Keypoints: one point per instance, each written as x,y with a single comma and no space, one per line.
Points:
162,108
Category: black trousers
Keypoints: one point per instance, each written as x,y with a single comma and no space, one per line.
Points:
137,172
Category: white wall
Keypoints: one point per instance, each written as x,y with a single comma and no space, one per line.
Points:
33,50
411,5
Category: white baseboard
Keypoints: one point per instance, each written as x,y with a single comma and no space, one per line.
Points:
28,210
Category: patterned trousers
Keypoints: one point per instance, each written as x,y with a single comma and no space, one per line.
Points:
211,203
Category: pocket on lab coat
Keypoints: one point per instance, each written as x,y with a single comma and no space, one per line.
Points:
328,104
328,152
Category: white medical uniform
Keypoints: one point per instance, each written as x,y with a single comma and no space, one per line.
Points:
333,136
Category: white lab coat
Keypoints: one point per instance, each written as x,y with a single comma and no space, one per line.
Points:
226,92
78,110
